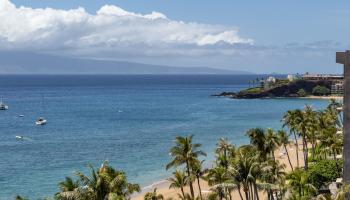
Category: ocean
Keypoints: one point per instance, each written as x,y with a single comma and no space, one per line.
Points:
129,120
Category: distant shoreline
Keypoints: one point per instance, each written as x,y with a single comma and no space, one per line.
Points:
322,97
306,97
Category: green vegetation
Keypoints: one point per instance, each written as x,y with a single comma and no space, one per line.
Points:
301,93
254,90
249,170
324,171
153,195
321,91
103,183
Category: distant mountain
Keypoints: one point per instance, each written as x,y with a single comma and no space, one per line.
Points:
33,63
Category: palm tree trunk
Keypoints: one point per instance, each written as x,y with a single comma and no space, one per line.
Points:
183,193
251,191
313,150
296,148
239,192
246,192
256,191
189,175
226,163
306,153
276,194
290,163
199,188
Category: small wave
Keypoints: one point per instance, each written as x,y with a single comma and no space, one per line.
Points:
158,183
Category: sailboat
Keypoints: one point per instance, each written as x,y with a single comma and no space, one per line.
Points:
3,106
41,120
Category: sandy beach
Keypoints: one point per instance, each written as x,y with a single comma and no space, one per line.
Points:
323,97
163,186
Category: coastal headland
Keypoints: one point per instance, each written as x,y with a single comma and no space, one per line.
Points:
315,87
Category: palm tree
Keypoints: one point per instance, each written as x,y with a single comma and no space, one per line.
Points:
198,172
225,150
185,152
180,180
108,182
273,176
311,121
258,140
298,181
271,142
218,178
289,119
284,141
70,189
153,195
245,171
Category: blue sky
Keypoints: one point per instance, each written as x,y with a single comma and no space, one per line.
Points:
268,36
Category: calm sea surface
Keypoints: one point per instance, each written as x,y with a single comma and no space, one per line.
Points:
129,120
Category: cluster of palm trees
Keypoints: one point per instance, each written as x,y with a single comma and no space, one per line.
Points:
317,130
253,170
186,153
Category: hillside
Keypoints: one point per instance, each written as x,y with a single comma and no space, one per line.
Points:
33,63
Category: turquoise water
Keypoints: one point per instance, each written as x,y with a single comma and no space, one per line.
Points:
129,120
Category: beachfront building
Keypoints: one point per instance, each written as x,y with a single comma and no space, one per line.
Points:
336,79
322,77
337,88
268,83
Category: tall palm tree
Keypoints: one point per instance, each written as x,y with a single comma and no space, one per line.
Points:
258,139
180,180
198,172
284,141
153,195
271,142
226,150
219,178
245,171
311,121
289,120
185,152
273,175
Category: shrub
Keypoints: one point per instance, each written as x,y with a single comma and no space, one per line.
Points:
323,172
301,93
320,91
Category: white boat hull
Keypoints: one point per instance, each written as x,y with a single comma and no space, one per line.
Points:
43,122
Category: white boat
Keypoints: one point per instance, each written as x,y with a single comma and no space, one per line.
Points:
41,121
18,137
21,115
3,106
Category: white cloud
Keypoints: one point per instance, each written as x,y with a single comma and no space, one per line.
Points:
111,29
